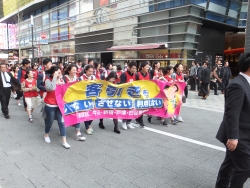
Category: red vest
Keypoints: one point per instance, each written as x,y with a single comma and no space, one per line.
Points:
84,77
156,74
50,97
129,78
168,78
97,74
179,77
35,74
141,77
30,94
79,70
118,74
15,75
23,76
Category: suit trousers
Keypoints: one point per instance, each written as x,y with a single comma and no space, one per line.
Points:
5,99
224,85
235,169
192,82
204,88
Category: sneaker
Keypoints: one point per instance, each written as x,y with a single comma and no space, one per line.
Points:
130,126
179,118
174,122
79,137
91,129
30,120
124,126
66,145
47,139
163,123
19,104
89,132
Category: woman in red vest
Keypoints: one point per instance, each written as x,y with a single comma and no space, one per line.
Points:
51,108
34,70
118,74
30,90
155,71
69,77
126,77
88,75
97,71
143,74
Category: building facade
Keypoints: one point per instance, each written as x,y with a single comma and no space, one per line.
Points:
168,31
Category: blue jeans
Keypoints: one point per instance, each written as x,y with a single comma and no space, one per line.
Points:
77,126
87,124
51,112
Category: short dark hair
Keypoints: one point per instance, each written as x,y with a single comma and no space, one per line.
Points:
118,67
90,60
143,64
96,64
46,61
131,64
244,62
27,73
25,61
52,70
79,61
111,75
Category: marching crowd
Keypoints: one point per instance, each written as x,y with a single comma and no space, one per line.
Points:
36,85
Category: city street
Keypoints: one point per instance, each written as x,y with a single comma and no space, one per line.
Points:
186,155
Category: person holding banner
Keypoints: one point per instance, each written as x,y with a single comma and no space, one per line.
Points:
112,77
88,75
51,108
69,77
155,71
118,74
178,76
126,77
143,74
97,71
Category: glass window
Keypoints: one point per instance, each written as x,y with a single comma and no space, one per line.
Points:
218,6
231,22
54,18
63,15
202,3
215,17
234,9
243,11
242,23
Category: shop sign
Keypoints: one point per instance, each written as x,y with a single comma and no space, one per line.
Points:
153,55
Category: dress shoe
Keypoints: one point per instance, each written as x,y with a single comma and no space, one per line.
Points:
101,126
116,130
7,116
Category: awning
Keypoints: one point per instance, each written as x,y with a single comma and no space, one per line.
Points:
138,47
234,51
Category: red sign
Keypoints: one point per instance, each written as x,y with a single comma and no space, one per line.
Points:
43,35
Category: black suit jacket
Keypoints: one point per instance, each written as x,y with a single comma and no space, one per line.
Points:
205,75
15,85
236,120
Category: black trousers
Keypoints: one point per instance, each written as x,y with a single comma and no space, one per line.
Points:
24,102
192,82
213,85
235,169
224,84
204,88
5,99
19,95
140,120
198,84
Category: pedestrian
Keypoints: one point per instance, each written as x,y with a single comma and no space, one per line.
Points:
155,71
5,90
205,80
97,70
17,94
69,77
30,92
34,67
234,130
218,65
109,68
21,76
79,68
112,77
213,79
51,108
127,77
178,76
198,76
118,74
193,75
225,75
88,75
143,74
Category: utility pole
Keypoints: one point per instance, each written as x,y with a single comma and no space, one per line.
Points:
32,38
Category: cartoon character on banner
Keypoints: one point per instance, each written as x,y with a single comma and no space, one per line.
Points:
172,98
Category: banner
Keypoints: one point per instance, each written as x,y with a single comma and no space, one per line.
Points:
89,100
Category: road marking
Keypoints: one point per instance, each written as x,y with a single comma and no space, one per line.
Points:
209,109
185,139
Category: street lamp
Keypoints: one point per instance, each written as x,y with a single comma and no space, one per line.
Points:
32,37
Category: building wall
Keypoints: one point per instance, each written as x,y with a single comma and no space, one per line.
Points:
10,6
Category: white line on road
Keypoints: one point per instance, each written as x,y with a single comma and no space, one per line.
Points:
185,139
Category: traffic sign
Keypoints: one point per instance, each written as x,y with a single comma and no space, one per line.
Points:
43,35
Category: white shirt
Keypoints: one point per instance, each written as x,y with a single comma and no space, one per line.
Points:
245,76
7,76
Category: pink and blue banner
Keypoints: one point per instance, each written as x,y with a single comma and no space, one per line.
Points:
90,100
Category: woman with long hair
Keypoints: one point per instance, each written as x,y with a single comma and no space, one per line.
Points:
16,94
51,107
97,70
155,71
69,77
112,77
88,75
29,87
34,68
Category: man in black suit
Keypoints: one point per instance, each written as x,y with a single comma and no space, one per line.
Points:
234,130
5,90
205,80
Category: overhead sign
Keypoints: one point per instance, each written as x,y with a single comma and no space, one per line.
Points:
3,36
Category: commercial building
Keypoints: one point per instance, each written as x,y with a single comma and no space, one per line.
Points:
168,31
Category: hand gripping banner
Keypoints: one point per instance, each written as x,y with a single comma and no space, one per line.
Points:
89,100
